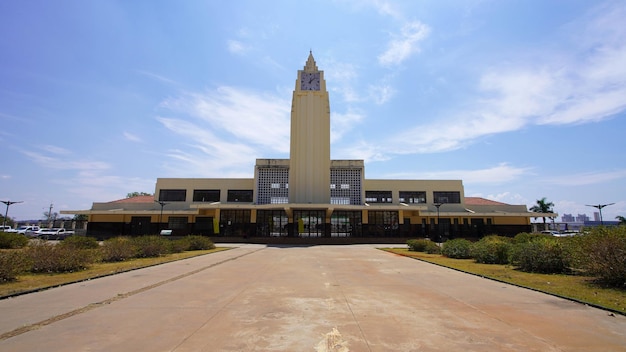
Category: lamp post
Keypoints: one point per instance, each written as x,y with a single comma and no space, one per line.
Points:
599,207
162,204
437,205
6,213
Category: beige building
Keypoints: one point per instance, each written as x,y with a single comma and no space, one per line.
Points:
308,196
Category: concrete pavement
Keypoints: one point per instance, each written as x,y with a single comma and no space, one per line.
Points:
318,298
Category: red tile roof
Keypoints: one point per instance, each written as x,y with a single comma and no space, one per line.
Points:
481,201
137,199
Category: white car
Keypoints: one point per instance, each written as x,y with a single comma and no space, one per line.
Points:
55,233
26,229
5,228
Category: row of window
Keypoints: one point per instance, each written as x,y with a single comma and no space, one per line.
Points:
246,196
206,195
412,197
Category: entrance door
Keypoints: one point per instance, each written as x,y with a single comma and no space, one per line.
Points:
140,225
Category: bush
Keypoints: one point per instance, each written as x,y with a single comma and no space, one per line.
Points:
418,245
525,237
458,248
49,258
541,255
9,240
432,248
151,246
491,250
117,249
80,242
602,253
12,264
198,243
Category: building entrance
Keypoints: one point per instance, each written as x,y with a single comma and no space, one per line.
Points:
309,223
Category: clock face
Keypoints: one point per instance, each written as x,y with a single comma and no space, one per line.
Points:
310,81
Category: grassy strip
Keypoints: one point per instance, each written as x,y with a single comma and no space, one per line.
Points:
33,282
579,288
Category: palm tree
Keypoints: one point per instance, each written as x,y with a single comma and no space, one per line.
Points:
542,206
621,219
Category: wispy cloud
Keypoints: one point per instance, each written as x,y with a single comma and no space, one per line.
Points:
236,47
157,77
404,44
588,86
65,163
498,174
587,178
131,137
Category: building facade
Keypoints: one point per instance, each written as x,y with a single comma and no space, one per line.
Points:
308,196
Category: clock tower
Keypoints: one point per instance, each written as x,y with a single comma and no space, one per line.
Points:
309,157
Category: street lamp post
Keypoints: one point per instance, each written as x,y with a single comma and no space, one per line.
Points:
437,205
599,207
6,213
162,204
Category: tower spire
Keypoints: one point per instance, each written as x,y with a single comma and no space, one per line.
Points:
310,65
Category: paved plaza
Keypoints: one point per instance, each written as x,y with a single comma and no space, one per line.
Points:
317,298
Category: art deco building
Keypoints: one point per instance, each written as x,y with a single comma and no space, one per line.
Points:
307,196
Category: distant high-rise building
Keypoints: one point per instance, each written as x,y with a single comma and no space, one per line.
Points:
596,216
582,218
568,218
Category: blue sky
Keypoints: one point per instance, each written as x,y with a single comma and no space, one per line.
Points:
519,99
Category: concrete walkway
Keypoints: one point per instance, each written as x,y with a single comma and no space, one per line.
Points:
321,298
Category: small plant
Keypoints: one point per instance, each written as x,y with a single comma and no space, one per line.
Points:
117,249
457,248
541,255
48,258
198,243
432,248
12,264
151,246
491,250
525,237
80,242
418,245
602,253
12,240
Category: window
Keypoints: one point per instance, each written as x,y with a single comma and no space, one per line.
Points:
272,185
206,195
240,195
378,196
412,197
345,186
447,197
177,222
173,195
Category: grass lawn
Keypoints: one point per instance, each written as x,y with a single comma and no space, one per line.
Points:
30,282
579,288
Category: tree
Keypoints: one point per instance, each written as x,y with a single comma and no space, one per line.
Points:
137,194
542,206
80,217
621,219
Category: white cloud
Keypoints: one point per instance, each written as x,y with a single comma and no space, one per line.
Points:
246,116
343,123
499,174
588,86
132,137
65,164
405,44
236,47
587,178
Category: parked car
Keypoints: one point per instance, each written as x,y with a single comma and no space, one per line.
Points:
551,233
6,228
55,233
25,229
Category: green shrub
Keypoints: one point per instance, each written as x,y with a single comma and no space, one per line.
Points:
12,264
525,237
418,245
151,246
491,250
49,258
602,253
198,243
117,249
541,255
80,242
458,248
179,245
432,248
10,240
